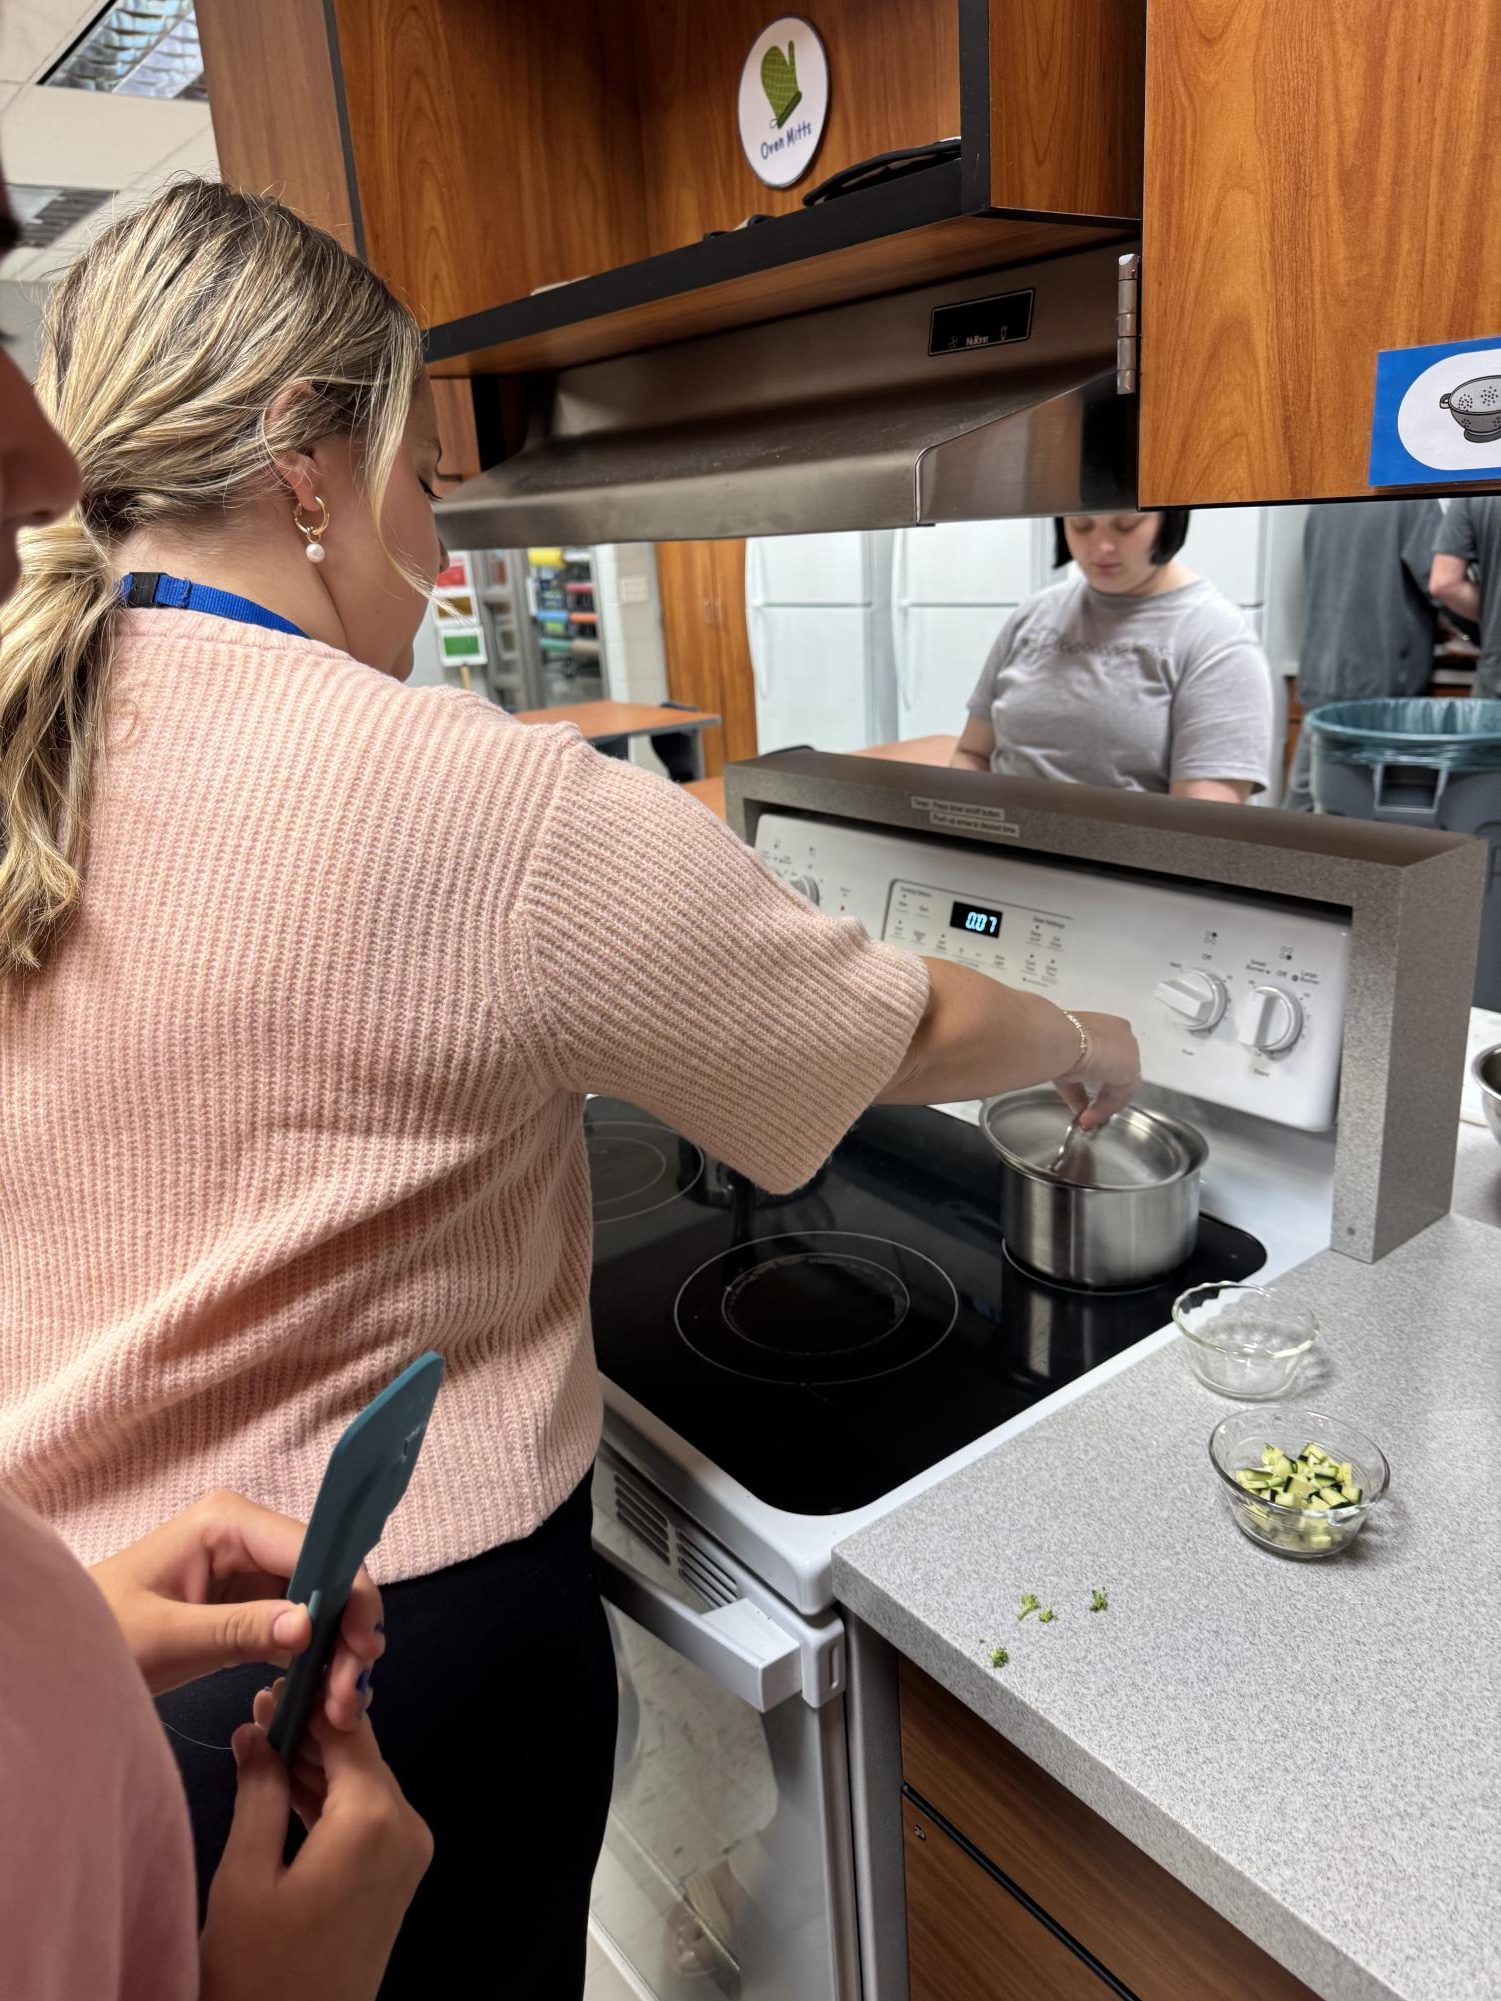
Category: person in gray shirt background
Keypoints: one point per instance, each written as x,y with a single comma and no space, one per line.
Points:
1466,578
1369,625
1136,674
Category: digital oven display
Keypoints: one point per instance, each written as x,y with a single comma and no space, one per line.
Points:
976,919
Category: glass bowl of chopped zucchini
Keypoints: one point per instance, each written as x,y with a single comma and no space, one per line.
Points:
1244,1341
1298,1481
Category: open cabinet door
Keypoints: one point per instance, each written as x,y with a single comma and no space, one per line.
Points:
1318,183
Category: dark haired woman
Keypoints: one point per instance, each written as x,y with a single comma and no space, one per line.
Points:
1136,673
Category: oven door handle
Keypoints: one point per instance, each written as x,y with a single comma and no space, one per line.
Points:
736,1645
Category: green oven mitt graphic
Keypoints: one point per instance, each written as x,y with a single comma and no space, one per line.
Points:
779,81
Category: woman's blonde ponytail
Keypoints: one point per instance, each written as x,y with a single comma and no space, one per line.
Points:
52,666
165,348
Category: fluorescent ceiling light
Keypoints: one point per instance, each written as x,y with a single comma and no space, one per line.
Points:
44,213
140,48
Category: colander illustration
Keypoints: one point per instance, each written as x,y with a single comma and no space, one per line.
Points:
1476,407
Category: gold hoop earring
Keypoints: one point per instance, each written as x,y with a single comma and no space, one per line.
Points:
313,531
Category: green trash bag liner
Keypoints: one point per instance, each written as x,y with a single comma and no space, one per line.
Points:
1438,731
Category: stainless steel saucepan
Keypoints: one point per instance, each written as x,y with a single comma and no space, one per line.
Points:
1114,1208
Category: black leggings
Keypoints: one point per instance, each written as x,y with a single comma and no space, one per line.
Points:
495,1707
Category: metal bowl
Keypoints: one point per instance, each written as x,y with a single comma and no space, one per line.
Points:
1486,1070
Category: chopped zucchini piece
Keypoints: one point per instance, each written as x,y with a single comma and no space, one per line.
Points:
1293,1498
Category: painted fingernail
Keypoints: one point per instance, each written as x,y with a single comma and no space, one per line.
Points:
380,1625
287,1626
363,1684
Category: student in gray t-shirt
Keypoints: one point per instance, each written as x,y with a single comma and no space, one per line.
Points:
1470,538
1369,625
1139,674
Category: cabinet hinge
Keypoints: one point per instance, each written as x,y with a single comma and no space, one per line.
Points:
1127,322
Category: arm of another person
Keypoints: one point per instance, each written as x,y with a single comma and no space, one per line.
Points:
1454,550
1222,722
1228,791
1451,583
663,963
976,745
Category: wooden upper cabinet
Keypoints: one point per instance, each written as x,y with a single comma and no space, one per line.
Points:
894,81
546,184
1320,183
275,108
1065,123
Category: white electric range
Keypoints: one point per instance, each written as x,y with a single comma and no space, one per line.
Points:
779,1372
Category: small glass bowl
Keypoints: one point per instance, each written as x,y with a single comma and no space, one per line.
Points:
1244,1341
1302,1533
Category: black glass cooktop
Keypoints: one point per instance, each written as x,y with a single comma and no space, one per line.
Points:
822,1347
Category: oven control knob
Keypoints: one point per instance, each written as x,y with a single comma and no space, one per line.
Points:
804,885
1270,1019
1199,998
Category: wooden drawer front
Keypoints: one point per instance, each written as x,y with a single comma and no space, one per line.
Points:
968,1939
1154,1935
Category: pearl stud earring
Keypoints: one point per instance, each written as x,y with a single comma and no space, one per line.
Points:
314,530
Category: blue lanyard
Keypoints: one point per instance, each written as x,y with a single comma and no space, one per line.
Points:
143,588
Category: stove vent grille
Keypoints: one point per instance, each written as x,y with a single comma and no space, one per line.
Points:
637,1509
698,1569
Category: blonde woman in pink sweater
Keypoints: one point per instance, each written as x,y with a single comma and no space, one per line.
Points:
96,1872
303,976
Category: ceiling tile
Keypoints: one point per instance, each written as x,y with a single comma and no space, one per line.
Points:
34,33
41,266
91,139
199,156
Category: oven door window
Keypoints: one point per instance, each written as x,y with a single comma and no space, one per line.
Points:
724,1870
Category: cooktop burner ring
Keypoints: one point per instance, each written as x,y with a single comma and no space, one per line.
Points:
861,1307
1100,1292
645,1167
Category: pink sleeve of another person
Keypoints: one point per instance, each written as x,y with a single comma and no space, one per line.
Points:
96,1863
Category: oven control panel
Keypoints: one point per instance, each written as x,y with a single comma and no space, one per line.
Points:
1235,1000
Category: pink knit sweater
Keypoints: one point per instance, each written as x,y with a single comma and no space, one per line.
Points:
299,1094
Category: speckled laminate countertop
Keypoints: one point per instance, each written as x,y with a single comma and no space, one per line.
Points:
1182,1714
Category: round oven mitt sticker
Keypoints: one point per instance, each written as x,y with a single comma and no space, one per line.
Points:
784,101
1450,416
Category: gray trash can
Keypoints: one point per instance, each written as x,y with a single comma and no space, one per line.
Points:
1424,762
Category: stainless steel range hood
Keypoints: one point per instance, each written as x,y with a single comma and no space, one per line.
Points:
980,397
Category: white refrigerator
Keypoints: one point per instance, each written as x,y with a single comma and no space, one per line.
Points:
953,587
817,608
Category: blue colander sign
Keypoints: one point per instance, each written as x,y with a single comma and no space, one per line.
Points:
1438,414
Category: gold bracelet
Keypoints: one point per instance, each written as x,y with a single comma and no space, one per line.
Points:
1086,1047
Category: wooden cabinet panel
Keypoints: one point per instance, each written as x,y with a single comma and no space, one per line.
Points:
968,1939
496,145
702,589
271,97
893,81
1315,176
1152,1933
498,150
458,436
1066,89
